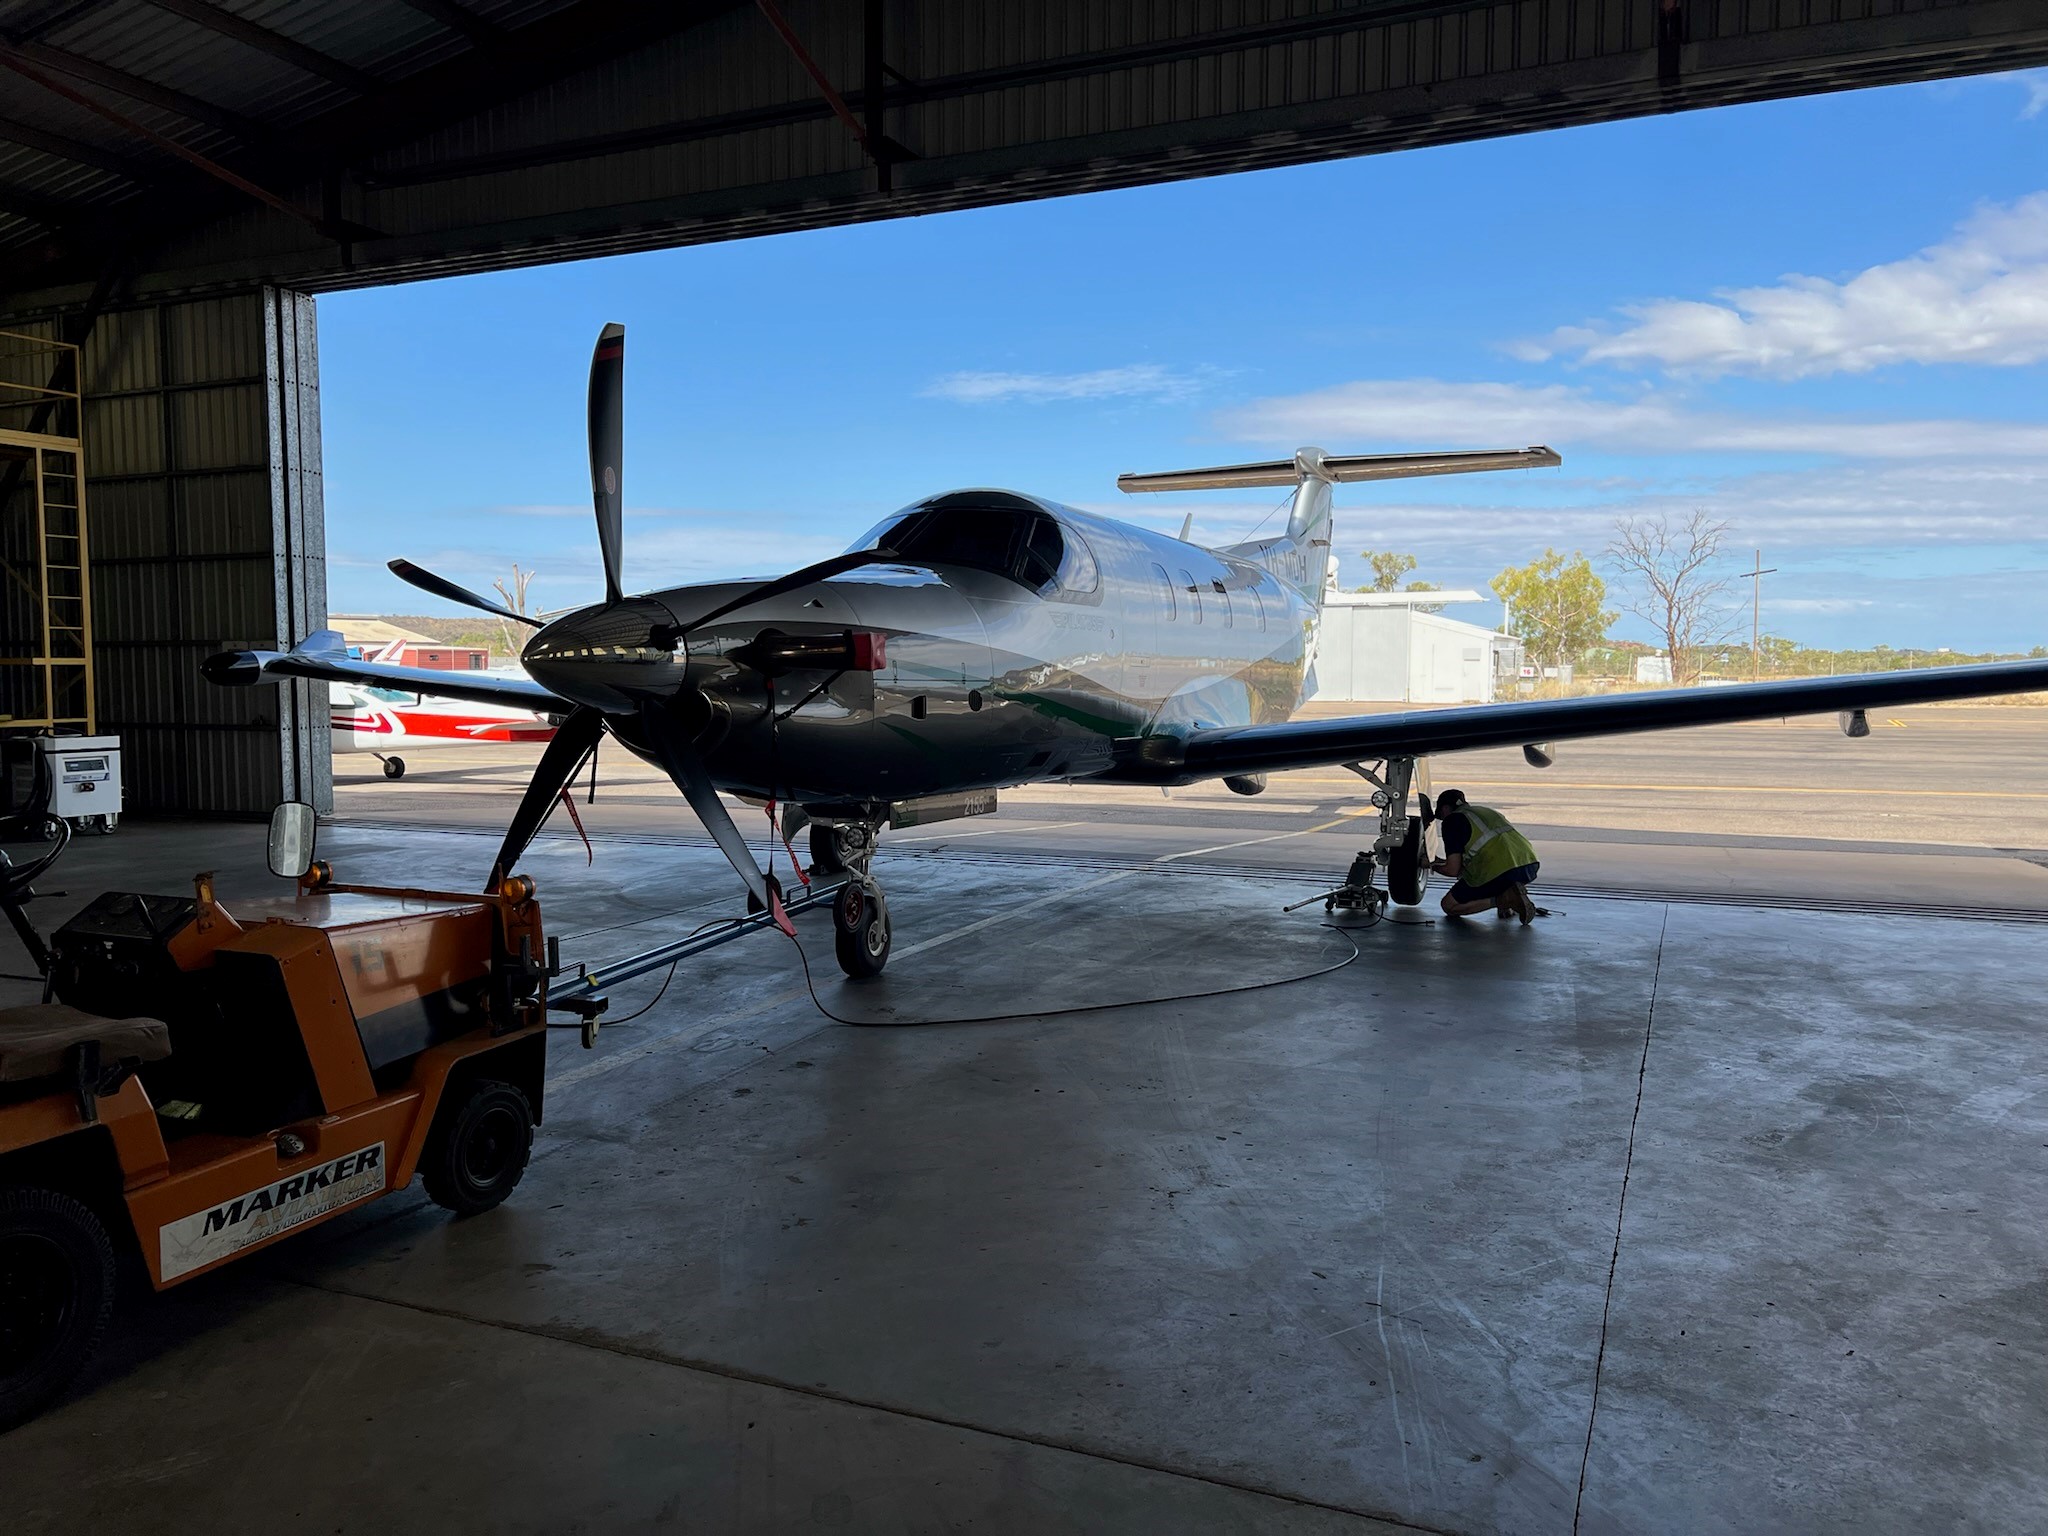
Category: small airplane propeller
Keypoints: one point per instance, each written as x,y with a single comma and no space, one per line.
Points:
441,586
607,412
666,725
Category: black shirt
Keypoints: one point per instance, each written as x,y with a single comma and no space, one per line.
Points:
1457,832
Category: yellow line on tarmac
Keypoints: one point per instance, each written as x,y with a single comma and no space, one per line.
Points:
1732,789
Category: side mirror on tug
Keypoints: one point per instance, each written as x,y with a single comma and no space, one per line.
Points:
293,830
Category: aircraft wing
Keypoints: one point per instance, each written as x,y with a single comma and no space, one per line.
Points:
323,657
1212,753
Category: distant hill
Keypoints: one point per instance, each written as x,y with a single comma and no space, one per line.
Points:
451,631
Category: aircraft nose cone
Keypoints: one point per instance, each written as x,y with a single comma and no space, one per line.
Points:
609,655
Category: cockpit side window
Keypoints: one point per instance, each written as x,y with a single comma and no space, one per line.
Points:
1016,541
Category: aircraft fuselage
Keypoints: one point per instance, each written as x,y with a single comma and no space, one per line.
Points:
988,681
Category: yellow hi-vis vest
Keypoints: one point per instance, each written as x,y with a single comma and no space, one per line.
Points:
1495,846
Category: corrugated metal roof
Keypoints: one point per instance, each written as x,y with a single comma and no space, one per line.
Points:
405,147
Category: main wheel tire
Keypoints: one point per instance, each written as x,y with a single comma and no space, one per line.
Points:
477,1154
860,930
56,1292
394,767
1407,876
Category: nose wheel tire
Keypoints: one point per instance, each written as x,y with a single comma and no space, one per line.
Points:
478,1151
394,767
56,1291
860,929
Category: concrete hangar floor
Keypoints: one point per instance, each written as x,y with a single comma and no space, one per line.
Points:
1688,1209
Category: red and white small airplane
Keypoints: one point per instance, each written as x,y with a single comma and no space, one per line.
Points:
363,717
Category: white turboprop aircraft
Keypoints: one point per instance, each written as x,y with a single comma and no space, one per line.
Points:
983,638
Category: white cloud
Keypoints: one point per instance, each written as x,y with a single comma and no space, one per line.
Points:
1820,604
1979,297
1135,381
1405,412
2035,83
1879,508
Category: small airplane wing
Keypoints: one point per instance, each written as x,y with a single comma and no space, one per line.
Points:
1212,753
322,657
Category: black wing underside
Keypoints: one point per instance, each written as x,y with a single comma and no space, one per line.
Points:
324,658
1208,754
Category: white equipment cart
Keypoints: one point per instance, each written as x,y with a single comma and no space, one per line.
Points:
84,775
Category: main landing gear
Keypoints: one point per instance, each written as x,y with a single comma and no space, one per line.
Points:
394,767
1401,848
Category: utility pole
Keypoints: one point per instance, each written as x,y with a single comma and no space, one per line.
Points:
1755,578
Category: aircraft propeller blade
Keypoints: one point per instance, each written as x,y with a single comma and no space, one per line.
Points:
607,444
574,739
671,744
441,586
836,565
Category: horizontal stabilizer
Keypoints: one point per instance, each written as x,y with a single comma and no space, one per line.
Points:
1340,469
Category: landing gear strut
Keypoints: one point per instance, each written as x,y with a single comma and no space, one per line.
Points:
394,767
1402,845
841,846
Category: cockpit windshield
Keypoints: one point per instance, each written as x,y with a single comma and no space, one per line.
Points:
1004,535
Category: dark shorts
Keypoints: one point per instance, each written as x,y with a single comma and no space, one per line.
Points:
1526,875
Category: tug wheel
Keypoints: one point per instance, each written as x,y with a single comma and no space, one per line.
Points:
860,930
1407,875
394,767
56,1291
477,1153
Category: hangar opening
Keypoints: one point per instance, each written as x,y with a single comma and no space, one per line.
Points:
1202,1196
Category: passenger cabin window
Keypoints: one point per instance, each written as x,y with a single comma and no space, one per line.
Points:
1003,535
1258,606
1166,590
1223,597
1187,585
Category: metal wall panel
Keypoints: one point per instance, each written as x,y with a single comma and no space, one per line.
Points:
203,471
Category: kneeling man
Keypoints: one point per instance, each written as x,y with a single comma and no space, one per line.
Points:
1492,863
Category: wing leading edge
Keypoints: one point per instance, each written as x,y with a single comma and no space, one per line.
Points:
1212,753
323,657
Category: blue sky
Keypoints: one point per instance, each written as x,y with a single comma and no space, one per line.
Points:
1824,320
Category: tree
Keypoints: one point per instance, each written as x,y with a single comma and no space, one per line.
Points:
1387,570
1673,585
515,599
1555,607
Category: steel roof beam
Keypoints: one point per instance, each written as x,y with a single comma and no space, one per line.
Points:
481,33
920,92
291,51
531,58
51,213
135,88
77,151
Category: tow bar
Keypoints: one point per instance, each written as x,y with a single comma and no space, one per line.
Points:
584,993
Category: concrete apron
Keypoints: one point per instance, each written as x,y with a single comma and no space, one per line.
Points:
1238,1263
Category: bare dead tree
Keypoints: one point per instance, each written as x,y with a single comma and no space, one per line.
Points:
515,599
1670,581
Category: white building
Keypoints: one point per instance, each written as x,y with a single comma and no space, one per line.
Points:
1379,647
